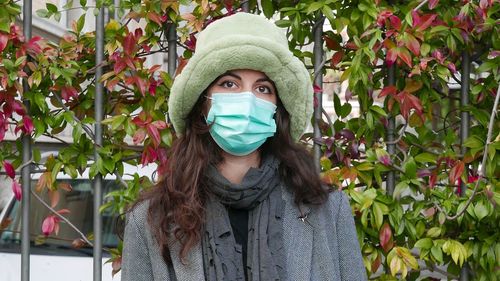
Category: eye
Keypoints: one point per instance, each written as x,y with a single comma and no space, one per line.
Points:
264,90
227,84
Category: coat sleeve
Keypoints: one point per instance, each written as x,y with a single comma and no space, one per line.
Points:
351,262
136,261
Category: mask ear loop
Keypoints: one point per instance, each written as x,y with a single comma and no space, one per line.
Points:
206,117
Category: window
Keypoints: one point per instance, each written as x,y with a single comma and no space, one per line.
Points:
80,202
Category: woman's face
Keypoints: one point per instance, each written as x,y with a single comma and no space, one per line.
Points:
244,80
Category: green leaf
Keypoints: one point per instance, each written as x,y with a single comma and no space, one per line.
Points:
474,141
434,232
410,168
426,157
437,253
400,187
80,23
51,7
314,6
378,214
377,109
55,170
267,8
480,211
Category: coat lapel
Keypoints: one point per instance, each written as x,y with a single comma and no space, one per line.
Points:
298,239
192,269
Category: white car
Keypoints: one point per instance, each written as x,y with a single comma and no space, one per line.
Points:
56,259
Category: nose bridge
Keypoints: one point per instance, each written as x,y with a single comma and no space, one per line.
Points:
247,85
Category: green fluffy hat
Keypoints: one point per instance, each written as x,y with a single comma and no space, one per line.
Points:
243,41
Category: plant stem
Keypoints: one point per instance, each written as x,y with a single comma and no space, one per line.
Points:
62,218
482,171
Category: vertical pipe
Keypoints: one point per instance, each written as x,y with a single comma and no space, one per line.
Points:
464,115
464,131
26,171
98,107
318,81
116,17
172,48
245,6
391,147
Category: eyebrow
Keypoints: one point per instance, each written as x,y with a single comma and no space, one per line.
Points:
230,73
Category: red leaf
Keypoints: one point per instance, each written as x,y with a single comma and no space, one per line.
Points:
452,67
78,243
129,44
68,92
392,55
18,107
141,84
33,45
415,18
405,56
139,136
54,197
483,4
154,17
395,22
159,124
4,39
65,186
389,90
433,4
376,264
27,124
49,225
16,188
385,236
154,134
456,172
317,89
332,44
351,45
407,102
412,44
337,58
119,66
382,17
63,211
9,169
148,155
426,21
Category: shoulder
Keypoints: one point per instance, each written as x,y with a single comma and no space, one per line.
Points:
336,205
138,214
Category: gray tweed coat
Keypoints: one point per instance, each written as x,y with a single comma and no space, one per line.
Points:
322,248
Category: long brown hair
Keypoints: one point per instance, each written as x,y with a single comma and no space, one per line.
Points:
176,204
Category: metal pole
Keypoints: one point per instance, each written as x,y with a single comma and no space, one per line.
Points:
464,131
318,81
116,17
26,171
464,115
172,48
98,105
391,147
245,6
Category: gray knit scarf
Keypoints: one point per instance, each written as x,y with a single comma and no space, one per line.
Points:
259,193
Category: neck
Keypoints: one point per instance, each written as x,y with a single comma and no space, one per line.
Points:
234,168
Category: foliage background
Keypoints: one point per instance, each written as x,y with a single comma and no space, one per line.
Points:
424,224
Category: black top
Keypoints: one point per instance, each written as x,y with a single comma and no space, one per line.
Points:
239,224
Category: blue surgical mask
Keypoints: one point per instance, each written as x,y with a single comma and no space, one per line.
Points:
241,122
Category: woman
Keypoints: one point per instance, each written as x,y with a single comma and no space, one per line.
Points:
241,199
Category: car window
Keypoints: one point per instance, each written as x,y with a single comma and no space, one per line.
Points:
80,203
